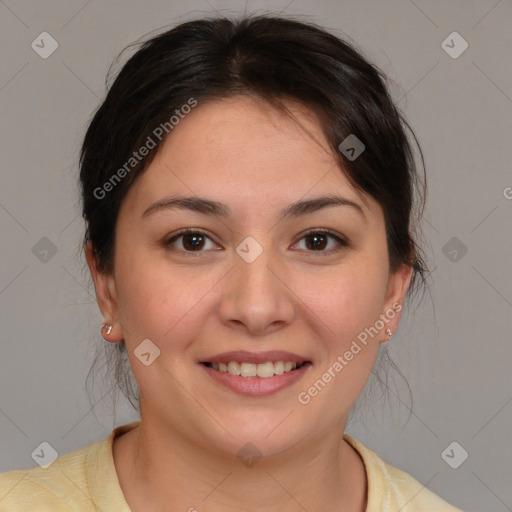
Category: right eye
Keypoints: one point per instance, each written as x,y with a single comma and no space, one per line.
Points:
191,240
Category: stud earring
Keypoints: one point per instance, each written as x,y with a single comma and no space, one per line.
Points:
389,333
108,327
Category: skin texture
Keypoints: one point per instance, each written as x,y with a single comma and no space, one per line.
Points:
256,160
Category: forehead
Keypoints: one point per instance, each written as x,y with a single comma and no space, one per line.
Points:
248,136
243,151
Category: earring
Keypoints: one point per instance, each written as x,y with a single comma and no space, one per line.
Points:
108,326
389,333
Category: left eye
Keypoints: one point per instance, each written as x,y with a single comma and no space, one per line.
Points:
318,240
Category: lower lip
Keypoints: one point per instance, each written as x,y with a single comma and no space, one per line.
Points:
257,386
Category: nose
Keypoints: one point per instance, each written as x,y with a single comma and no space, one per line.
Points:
256,297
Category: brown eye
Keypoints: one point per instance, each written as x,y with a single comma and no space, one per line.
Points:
316,242
191,241
319,240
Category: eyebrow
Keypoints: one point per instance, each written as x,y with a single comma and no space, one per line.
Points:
210,207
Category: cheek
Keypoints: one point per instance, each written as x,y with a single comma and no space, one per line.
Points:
348,312
159,301
349,306
348,300
163,305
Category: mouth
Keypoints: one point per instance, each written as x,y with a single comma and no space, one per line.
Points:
256,373
264,370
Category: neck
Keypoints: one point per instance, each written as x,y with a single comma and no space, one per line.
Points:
161,468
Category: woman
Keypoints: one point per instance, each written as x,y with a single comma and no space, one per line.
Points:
248,189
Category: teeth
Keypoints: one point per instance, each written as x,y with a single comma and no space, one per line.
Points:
279,367
265,370
248,369
262,370
234,368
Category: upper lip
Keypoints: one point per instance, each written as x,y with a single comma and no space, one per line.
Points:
255,357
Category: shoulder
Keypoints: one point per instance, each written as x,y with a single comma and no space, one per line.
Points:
81,481
391,489
60,487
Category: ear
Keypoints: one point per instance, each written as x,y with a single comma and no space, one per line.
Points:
398,284
104,285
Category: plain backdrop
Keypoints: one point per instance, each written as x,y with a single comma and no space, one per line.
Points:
454,347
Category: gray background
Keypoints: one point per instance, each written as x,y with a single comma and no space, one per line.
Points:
455,349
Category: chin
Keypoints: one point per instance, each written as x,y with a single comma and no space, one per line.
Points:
270,436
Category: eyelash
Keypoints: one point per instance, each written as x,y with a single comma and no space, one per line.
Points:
342,243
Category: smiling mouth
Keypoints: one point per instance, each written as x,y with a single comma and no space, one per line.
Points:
261,370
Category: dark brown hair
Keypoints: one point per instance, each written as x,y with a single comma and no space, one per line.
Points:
272,58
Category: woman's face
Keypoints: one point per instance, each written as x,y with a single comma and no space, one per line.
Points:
249,279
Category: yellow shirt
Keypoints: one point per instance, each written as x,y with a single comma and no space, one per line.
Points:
86,480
